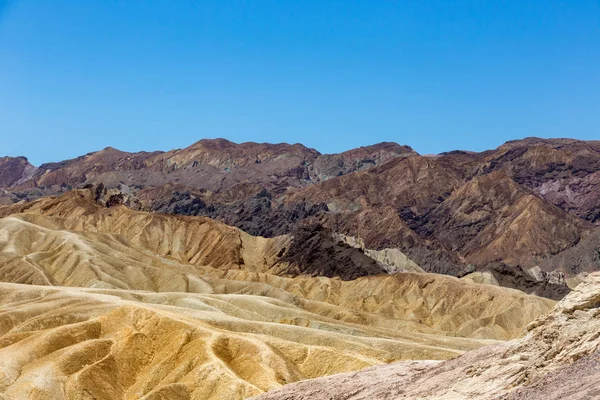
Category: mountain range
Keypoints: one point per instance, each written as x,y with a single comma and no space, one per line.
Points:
114,303
524,205
228,271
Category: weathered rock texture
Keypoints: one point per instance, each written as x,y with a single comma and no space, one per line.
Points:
533,281
71,241
520,204
393,260
111,303
14,170
196,240
541,364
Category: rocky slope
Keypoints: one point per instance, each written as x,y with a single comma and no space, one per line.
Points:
115,303
196,240
552,285
329,166
381,206
565,172
520,204
492,218
576,262
441,222
14,170
218,169
393,260
536,366
71,241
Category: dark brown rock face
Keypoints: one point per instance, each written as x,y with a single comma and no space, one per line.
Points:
520,279
581,258
13,170
564,172
492,218
314,252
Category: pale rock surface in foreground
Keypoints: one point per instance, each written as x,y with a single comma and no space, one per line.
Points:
539,365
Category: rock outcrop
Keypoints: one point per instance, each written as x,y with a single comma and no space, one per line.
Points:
493,218
535,281
392,260
564,172
328,166
577,261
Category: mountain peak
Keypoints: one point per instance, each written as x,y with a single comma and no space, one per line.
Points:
14,170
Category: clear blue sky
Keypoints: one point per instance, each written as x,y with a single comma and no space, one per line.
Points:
77,76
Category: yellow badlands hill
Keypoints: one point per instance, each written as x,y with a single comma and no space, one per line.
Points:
556,358
109,303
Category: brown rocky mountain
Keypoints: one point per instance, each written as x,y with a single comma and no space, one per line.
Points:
14,170
565,172
329,166
577,261
108,164
493,218
216,167
383,205
520,204
414,184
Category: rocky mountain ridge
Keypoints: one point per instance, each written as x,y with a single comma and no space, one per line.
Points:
521,204
230,271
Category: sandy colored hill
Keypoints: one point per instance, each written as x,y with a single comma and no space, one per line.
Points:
59,343
71,241
203,242
40,255
112,303
542,364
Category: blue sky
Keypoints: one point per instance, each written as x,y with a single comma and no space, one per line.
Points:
77,76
